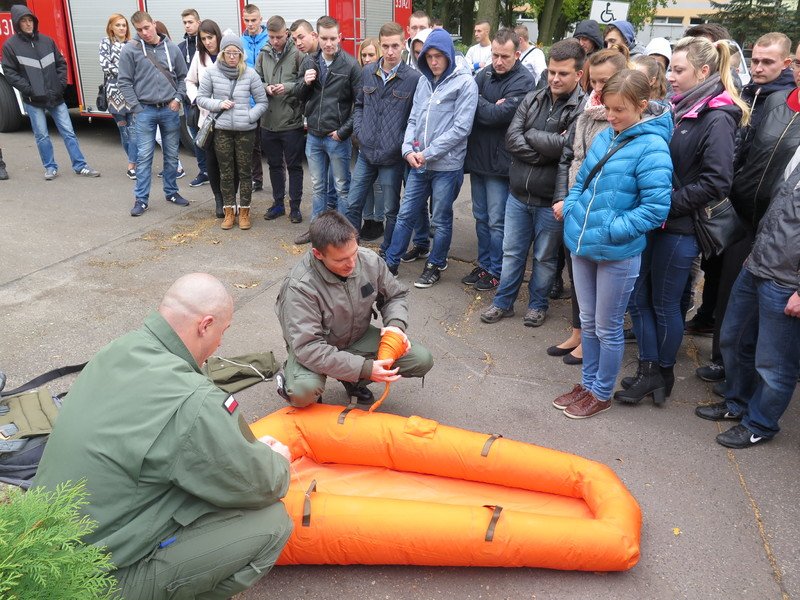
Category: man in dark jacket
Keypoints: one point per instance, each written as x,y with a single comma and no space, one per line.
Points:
328,84
33,64
278,65
535,140
762,151
762,325
588,34
501,87
381,113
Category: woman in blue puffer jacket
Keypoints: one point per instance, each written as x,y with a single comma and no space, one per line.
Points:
606,216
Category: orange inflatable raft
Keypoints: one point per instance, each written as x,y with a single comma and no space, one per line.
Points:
373,488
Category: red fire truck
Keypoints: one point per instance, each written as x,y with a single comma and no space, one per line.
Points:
77,26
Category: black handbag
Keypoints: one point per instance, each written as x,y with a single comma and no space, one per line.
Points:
205,137
102,99
716,225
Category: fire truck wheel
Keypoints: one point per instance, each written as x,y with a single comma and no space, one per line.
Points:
186,138
11,118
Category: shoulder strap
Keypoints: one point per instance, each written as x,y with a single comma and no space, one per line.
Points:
161,69
596,169
44,378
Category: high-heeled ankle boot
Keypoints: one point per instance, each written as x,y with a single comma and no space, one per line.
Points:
629,381
647,382
218,206
668,375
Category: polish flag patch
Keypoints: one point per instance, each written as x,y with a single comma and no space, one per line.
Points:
230,404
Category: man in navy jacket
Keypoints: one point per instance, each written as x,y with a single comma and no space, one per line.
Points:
383,105
501,87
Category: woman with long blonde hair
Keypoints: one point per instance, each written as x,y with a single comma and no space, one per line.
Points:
707,111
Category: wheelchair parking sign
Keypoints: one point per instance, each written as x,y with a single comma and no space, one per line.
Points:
604,12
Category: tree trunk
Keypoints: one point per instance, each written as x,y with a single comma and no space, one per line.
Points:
547,21
467,21
487,11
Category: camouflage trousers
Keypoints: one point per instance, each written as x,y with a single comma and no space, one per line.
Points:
234,151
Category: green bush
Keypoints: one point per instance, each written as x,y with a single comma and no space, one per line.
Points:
41,552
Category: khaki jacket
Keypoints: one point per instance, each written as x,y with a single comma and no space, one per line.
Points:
158,444
321,314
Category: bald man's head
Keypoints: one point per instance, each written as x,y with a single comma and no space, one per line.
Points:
199,308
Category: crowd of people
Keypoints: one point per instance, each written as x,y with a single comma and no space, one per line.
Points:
604,157
600,158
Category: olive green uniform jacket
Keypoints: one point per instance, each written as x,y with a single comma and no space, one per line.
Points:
158,444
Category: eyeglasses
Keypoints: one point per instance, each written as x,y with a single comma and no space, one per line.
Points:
795,64
232,54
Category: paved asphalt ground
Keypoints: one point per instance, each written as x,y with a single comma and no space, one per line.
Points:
77,271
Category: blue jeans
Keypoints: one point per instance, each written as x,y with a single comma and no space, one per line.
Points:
603,290
759,384
60,115
365,175
655,305
146,123
325,153
127,134
421,236
444,187
489,209
525,224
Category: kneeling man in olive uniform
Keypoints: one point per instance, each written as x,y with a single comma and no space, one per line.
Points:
325,307
186,499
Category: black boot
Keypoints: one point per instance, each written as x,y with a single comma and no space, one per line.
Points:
629,381
647,382
363,395
668,375
3,172
218,202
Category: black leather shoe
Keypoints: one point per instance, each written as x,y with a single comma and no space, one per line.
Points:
572,360
716,412
363,395
739,437
556,351
713,373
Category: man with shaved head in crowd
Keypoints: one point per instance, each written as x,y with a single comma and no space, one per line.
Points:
183,495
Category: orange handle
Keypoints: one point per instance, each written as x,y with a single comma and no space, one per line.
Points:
393,346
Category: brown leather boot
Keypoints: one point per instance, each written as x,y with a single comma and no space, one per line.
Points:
230,218
244,217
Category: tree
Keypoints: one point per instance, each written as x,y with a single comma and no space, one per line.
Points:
747,20
488,10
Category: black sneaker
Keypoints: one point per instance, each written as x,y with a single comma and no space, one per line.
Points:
474,276
138,208
258,186
275,211
178,199
740,437
430,275
716,412
295,216
713,373
415,253
487,282
363,395
201,179
393,269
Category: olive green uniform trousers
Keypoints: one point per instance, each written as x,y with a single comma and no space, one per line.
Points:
307,386
217,556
